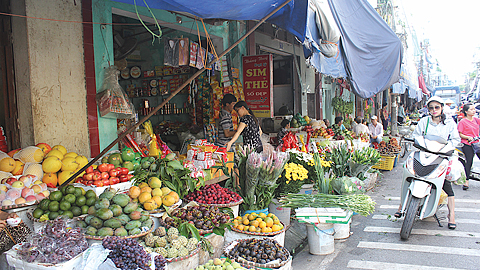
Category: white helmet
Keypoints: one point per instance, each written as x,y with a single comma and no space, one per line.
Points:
437,99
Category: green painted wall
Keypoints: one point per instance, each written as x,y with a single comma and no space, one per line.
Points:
103,47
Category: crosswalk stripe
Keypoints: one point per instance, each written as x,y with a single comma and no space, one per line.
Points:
397,266
420,248
457,209
456,200
455,233
458,220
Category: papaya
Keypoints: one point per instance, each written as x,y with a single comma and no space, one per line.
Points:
91,210
130,207
116,209
133,224
105,231
102,203
121,232
96,222
81,224
104,213
123,218
134,231
112,223
88,218
121,199
91,231
107,195
145,216
148,223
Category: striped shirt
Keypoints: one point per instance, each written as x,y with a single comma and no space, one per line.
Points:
225,123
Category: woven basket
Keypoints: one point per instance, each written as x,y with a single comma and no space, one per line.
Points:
177,259
30,216
246,263
218,205
15,206
100,238
261,234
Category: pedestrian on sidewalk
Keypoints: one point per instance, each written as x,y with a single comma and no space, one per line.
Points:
438,124
468,128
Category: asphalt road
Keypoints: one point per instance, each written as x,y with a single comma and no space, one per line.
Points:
375,240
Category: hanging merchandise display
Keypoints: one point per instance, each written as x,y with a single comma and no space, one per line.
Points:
112,101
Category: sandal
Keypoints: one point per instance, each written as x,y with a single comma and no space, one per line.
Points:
452,226
465,187
398,215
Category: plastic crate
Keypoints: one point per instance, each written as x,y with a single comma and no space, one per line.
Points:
385,163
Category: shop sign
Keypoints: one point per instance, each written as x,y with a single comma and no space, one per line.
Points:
258,84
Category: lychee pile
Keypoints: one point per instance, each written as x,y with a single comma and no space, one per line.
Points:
213,194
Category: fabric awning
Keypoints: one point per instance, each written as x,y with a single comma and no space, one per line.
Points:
371,51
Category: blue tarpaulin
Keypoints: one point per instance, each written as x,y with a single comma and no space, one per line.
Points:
292,17
369,51
372,51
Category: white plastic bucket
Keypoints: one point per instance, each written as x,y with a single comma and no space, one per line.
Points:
320,238
283,213
306,189
342,231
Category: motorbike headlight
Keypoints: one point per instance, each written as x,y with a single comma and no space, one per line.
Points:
441,169
409,165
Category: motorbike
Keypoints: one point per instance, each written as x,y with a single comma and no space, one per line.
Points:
423,176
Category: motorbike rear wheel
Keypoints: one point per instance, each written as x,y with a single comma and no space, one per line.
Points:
410,215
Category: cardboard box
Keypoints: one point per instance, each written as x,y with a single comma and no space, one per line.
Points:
219,172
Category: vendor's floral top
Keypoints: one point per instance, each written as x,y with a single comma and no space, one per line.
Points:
251,133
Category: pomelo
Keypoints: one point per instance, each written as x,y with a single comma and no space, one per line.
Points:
60,148
69,164
52,164
56,153
7,164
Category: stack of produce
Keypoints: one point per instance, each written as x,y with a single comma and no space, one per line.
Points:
54,244
151,196
69,201
389,149
115,214
326,133
259,223
203,217
213,194
260,251
170,244
127,158
104,175
59,165
25,189
127,253
220,264
307,129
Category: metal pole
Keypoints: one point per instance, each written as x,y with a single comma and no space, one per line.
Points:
132,128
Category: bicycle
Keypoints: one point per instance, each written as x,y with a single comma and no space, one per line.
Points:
405,132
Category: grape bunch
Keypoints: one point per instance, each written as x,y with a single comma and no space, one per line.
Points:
54,244
127,253
160,262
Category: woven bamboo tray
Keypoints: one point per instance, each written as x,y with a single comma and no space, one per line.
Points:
246,263
218,205
100,238
261,234
15,206
177,259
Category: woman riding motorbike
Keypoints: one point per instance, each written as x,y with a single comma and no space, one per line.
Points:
439,125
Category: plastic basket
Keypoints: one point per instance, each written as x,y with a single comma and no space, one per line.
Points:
385,163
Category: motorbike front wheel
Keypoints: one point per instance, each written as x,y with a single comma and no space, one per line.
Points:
410,215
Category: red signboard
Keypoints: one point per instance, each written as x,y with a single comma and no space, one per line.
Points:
258,84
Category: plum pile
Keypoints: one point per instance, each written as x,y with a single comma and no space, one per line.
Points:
259,251
127,253
213,194
203,217
54,244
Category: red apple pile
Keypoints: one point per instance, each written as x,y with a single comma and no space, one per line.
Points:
213,194
104,175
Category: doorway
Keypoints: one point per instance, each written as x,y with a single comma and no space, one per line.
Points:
8,100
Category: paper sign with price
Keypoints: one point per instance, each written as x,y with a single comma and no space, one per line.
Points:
258,84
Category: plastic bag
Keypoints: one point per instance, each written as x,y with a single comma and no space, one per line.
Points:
454,170
112,101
